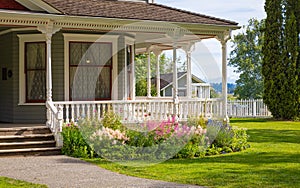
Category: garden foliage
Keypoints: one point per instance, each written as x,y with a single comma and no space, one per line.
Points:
151,140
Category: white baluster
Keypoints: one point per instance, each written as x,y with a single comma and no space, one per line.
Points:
88,113
94,111
98,111
67,113
83,114
77,111
72,112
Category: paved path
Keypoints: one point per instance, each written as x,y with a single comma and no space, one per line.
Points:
63,171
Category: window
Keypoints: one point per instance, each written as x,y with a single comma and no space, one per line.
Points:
32,66
35,71
90,70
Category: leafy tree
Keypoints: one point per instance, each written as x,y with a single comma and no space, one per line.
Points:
247,58
141,63
281,58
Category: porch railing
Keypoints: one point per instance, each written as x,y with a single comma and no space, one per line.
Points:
55,120
138,110
248,108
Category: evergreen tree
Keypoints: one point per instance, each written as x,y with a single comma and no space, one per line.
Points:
280,58
291,45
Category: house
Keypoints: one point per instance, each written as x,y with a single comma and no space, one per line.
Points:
64,59
199,89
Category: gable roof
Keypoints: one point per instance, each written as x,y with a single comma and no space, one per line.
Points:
132,10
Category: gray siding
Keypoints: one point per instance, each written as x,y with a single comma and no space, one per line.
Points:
22,113
6,86
10,110
58,67
181,84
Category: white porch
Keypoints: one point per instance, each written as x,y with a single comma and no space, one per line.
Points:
138,110
125,35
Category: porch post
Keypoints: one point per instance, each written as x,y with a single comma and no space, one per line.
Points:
149,74
175,82
224,78
133,74
223,39
157,53
49,68
48,30
188,50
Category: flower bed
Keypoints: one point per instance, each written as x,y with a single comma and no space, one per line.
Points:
151,141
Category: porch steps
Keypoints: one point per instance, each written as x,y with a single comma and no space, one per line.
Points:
27,141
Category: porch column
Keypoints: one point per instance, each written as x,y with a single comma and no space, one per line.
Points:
133,74
224,78
157,53
149,73
49,68
48,30
188,50
223,39
175,82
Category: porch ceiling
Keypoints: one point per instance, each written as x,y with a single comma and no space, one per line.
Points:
164,41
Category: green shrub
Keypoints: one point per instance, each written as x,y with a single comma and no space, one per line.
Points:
228,139
74,144
112,121
110,139
197,121
240,138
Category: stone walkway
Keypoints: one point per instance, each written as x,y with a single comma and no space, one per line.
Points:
63,171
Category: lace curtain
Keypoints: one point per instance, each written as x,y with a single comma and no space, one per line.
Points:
90,71
35,72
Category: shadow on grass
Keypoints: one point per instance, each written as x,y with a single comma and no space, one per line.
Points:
250,120
255,159
271,135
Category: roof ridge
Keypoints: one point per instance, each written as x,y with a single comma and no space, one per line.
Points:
194,13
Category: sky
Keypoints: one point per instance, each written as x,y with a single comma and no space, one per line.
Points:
207,56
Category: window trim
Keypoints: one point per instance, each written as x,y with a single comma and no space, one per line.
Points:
71,37
24,38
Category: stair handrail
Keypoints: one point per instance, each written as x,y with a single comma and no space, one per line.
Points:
55,120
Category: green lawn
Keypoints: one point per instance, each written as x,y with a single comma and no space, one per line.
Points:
272,161
12,183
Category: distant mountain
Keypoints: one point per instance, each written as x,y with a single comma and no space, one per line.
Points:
218,87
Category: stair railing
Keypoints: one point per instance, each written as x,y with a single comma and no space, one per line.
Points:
55,121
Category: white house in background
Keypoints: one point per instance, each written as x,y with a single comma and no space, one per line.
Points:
199,88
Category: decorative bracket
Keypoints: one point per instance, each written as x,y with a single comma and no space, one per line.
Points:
190,47
224,37
49,29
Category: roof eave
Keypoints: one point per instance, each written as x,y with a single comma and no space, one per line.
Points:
116,21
